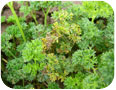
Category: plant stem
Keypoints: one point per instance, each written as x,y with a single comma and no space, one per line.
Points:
93,19
10,5
26,4
34,17
14,41
59,8
23,83
35,61
94,70
5,60
46,14
32,14
11,53
45,20
45,84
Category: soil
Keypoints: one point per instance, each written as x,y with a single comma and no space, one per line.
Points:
40,16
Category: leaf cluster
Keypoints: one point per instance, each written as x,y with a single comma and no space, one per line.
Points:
76,51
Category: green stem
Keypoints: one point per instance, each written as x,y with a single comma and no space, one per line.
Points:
35,64
94,70
23,83
10,5
11,53
26,4
46,14
32,14
59,8
45,20
93,19
34,17
5,60
14,41
35,61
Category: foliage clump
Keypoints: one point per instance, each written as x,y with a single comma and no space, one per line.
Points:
85,58
76,51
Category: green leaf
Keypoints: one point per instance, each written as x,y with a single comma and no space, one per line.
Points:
53,85
3,19
27,68
86,58
106,66
33,51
